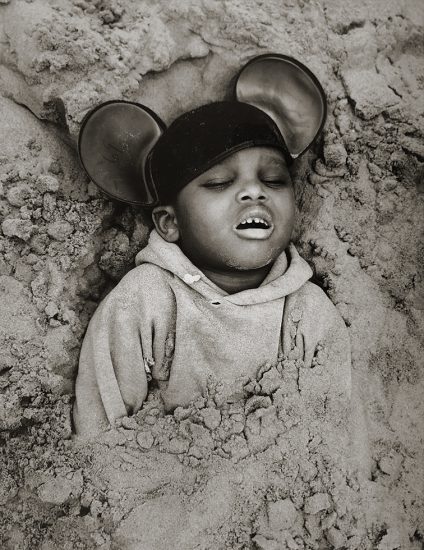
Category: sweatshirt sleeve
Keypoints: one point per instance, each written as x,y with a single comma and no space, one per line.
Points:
327,350
315,332
112,380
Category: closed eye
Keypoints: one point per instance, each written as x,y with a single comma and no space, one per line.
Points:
217,184
274,182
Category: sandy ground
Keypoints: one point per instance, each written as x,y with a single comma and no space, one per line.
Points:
274,469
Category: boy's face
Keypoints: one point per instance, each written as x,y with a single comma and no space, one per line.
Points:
239,214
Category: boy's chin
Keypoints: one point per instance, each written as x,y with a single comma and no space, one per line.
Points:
229,259
256,259
251,264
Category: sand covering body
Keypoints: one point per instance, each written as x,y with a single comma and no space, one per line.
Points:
167,319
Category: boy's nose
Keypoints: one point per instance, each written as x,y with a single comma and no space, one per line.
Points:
252,191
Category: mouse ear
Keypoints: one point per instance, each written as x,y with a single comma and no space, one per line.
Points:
115,140
289,93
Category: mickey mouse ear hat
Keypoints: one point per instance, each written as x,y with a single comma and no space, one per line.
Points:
289,93
114,142
127,151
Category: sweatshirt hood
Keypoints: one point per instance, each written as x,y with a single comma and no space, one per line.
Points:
288,273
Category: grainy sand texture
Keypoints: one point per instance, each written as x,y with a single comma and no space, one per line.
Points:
280,466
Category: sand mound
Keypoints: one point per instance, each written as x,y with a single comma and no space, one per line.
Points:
269,468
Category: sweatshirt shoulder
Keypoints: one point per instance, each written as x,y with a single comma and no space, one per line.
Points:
148,274
311,293
144,281
311,312
313,302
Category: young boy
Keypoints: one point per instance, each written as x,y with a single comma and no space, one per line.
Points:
219,290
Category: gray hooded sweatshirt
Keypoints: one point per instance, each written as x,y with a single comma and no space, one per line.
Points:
167,321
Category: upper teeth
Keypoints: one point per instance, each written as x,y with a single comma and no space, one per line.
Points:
254,220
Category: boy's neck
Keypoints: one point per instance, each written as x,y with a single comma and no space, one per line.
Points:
236,281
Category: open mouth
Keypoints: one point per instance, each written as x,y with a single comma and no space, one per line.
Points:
254,227
253,223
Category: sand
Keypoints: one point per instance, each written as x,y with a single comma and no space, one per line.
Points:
276,468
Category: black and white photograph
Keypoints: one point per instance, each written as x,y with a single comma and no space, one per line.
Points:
211,275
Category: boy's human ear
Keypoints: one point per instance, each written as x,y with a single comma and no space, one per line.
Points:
166,223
